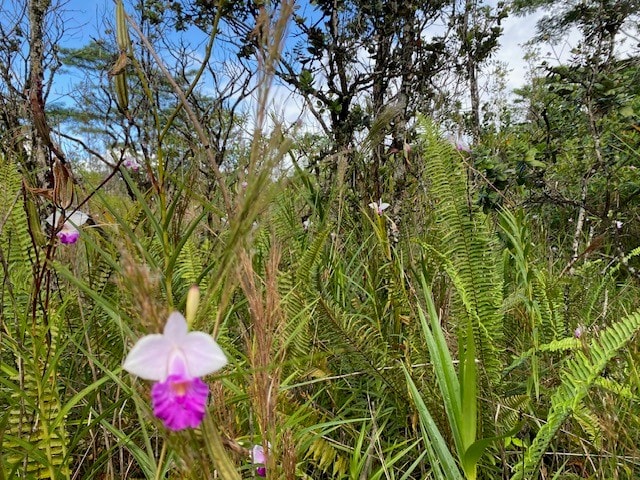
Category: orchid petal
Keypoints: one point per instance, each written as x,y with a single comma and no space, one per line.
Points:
177,364
180,402
176,327
55,216
257,454
149,357
383,206
77,218
202,354
68,235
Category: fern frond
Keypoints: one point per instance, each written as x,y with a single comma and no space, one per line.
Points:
510,410
548,308
296,333
579,374
561,345
623,391
35,436
357,345
590,424
468,246
15,241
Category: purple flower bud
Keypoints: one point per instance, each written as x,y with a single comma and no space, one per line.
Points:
258,457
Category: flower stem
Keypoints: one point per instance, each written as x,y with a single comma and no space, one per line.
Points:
161,461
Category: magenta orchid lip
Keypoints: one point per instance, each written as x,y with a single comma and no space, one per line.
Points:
176,360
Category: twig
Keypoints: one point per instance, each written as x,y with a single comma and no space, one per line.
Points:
190,113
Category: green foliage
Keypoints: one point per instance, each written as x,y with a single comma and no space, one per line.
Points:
35,441
466,249
35,438
579,375
340,361
14,229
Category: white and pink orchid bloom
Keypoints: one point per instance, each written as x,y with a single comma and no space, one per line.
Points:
259,458
131,162
69,232
156,356
175,360
379,207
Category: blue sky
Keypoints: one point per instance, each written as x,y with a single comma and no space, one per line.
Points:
85,19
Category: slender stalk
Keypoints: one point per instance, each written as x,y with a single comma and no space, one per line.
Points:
159,468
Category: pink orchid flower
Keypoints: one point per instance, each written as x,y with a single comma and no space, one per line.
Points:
69,232
175,360
131,163
379,207
462,146
259,457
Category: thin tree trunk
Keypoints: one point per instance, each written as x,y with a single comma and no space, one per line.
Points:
37,13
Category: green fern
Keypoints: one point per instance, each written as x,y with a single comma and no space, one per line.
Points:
580,373
468,248
590,424
14,227
188,269
34,420
35,437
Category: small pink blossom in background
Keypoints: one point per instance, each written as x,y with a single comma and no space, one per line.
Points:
175,360
258,457
619,224
462,146
131,162
379,207
69,232
578,331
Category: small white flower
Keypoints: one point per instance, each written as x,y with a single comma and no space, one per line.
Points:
306,224
619,224
379,207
